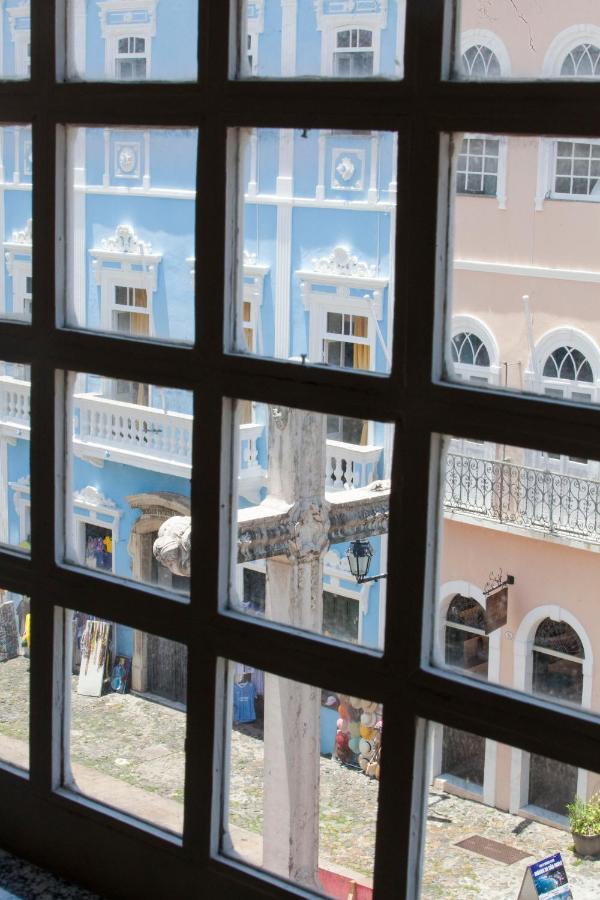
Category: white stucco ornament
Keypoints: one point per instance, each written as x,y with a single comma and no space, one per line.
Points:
345,168
173,545
127,159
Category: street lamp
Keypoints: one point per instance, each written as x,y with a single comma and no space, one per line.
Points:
359,555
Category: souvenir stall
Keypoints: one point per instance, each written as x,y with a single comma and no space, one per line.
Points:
358,733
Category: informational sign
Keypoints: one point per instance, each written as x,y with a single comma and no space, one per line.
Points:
546,878
496,610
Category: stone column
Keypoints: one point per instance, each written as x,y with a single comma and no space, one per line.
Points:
295,597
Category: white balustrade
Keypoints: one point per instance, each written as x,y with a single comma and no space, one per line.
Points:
14,405
249,435
149,433
350,465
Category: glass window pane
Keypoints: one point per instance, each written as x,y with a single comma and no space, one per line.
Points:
312,508
530,41
299,40
529,299
126,719
301,802
518,544
130,472
99,35
131,207
16,160
15,644
15,497
318,244
497,816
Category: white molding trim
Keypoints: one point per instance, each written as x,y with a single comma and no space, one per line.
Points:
342,270
488,39
460,323
501,175
370,15
252,293
125,248
17,255
282,286
289,22
20,36
76,11
564,42
550,341
131,24
525,271
522,676
448,591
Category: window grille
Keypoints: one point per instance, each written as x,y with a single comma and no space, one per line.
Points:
477,168
577,168
481,62
582,61
423,111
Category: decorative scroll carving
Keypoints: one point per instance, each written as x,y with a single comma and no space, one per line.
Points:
173,545
125,240
343,264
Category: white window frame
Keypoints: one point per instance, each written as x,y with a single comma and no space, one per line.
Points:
254,274
486,38
17,255
552,153
21,38
131,56
463,371
500,194
535,381
330,24
88,504
254,25
329,271
112,33
563,43
522,681
126,249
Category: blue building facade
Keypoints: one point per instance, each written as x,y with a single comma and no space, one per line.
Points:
314,280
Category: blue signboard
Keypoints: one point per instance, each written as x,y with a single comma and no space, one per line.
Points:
548,879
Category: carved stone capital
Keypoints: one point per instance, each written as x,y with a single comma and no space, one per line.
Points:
308,529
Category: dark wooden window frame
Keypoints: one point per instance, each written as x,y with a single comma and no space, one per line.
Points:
48,825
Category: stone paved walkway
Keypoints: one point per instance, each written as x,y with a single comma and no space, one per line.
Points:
141,743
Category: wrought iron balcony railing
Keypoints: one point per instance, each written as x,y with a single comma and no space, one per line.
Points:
523,496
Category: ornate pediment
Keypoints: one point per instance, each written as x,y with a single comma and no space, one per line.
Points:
344,265
91,496
124,240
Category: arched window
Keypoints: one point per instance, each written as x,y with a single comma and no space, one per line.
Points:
470,350
583,61
568,363
471,354
353,56
467,645
481,62
557,672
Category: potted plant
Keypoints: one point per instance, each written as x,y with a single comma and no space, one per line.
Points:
584,818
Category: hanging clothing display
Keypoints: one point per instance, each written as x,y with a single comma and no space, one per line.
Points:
244,695
358,735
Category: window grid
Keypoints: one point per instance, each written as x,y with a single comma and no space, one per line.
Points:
477,167
407,687
577,168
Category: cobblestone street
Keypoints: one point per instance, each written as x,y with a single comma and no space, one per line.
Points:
140,743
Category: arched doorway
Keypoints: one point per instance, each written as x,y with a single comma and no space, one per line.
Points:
159,666
466,647
557,672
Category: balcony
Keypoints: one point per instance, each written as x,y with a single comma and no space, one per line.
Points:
14,407
350,465
523,497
